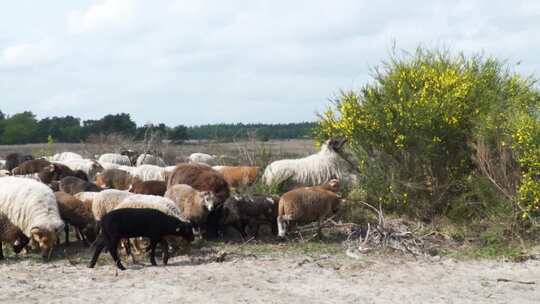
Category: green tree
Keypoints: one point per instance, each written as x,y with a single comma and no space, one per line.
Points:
20,128
179,133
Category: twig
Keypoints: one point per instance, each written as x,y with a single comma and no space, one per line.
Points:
514,281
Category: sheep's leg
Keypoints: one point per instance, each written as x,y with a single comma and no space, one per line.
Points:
127,247
153,243
79,235
66,230
1,251
282,226
113,249
241,229
273,226
165,249
100,245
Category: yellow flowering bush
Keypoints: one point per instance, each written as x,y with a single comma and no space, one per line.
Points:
413,126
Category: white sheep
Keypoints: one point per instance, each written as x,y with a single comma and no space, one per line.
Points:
159,203
63,156
87,198
149,172
149,159
115,158
88,166
107,165
194,205
203,158
2,164
128,169
312,170
31,206
106,201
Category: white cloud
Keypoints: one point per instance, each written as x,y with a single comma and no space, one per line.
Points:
117,15
30,54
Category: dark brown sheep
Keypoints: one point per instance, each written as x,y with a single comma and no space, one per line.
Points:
114,179
54,172
14,159
74,212
30,166
151,187
73,185
11,234
242,211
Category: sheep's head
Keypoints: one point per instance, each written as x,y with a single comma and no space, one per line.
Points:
333,185
185,230
335,144
20,242
90,231
46,240
208,199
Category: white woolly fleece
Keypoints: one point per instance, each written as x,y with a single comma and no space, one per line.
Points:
312,170
149,172
115,158
159,203
29,204
149,159
106,201
203,158
65,156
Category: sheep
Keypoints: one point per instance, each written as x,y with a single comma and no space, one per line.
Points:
194,205
106,201
2,164
129,223
88,166
131,154
160,203
202,158
115,158
241,211
32,206
149,159
14,159
10,233
203,178
152,187
149,172
74,185
87,198
114,179
4,173
55,172
107,166
238,176
305,205
74,212
312,170
128,169
30,167
63,156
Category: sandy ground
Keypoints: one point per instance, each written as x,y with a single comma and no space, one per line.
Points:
293,279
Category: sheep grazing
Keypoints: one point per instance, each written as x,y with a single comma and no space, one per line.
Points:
149,159
88,166
130,223
14,159
159,203
115,158
194,205
238,176
242,211
87,198
306,205
31,206
30,167
73,211
131,154
312,170
63,156
149,172
203,178
73,185
106,201
152,187
114,179
9,233
202,158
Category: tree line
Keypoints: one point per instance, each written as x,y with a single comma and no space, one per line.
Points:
24,127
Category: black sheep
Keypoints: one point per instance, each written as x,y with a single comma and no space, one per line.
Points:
130,222
241,211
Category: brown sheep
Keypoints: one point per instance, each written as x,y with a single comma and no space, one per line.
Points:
238,176
74,212
203,178
305,205
114,179
15,159
194,205
55,172
30,166
73,185
151,187
10,233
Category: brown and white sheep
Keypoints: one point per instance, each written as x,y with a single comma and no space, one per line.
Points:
106,201
55,172
9,233
74,212
114,179
194,205
305,205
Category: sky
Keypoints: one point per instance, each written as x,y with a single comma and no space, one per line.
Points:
198,62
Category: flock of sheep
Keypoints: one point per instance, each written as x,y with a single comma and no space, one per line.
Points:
131,200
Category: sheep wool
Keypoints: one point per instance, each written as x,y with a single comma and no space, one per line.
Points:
106,201
60,157
149,172
203,158
149,159
88,166
29,204
159,203
115,158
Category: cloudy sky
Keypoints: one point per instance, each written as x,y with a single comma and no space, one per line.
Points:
195,62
